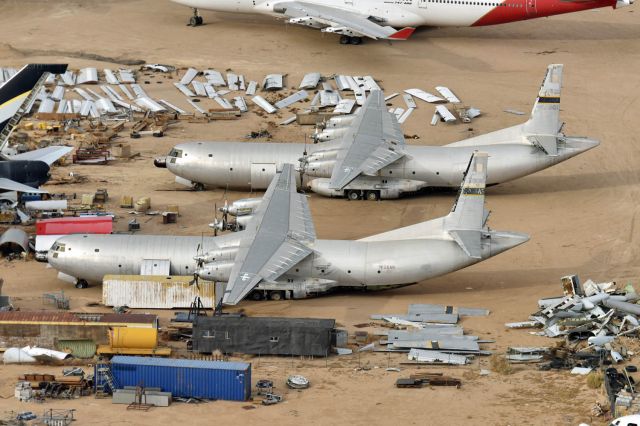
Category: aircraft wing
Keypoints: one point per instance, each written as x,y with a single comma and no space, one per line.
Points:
276,238
374,140
339,21
11,185
49,155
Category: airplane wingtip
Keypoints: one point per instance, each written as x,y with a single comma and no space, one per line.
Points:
403,34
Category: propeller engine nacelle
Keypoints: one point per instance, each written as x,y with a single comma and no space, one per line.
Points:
225,253
342,121
329,154
216,271
320,168
329,134
242,207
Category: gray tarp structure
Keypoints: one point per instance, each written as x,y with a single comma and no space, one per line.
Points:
263,335
14,240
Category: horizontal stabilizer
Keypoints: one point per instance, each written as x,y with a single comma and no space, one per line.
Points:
469,241
11,185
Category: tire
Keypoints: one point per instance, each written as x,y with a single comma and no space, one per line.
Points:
356,40
276,295
353,195
198,187
82,284
199,20
372,196
194,21
255,295
345,39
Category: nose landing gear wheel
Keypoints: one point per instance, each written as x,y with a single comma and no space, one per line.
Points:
82,284
198,187
196,20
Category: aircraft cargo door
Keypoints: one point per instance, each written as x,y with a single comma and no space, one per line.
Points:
262,174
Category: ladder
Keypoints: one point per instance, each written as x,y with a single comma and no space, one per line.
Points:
24,108
104,374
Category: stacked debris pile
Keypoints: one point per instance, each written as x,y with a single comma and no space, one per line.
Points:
38,387
430,334
419,380
599,323
597,313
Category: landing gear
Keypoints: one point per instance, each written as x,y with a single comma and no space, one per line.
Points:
255,295
196,19
198,186
373,196
82,284
345,39
276,295
353,195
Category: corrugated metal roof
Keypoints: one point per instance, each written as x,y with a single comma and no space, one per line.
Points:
184,363
79,317
77,348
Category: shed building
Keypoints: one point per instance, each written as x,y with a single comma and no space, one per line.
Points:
263,335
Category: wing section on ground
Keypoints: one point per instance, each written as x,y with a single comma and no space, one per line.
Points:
374,140
277,238
11,185
48,155
335,20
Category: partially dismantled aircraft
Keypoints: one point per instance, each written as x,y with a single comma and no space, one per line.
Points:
371,160
279,256
27,171
376,19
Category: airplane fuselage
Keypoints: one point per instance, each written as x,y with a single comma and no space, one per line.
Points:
416,13
368,265
251,166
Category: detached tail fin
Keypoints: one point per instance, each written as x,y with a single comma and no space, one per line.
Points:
468,215
544,124
15,90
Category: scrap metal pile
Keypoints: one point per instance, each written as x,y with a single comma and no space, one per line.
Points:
430,334
597,313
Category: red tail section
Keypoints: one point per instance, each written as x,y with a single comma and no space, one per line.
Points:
403,34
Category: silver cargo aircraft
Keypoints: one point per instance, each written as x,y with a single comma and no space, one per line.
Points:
370,159
278,255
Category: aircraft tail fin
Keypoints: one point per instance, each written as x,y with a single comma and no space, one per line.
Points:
544,124
15,90
402,34
468,216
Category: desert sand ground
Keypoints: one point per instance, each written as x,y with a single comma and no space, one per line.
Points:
582,215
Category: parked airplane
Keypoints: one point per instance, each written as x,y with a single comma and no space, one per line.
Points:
279,256
27,171
371,160
376,19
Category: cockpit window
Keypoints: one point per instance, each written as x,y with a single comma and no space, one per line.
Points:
58,247
175,153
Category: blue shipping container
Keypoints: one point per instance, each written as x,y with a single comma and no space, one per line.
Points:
185,378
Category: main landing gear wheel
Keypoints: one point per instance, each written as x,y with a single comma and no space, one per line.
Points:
196,20
82,284
345,39
372,196
198,186
276,295
353,195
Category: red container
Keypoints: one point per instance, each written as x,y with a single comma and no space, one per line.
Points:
75,225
